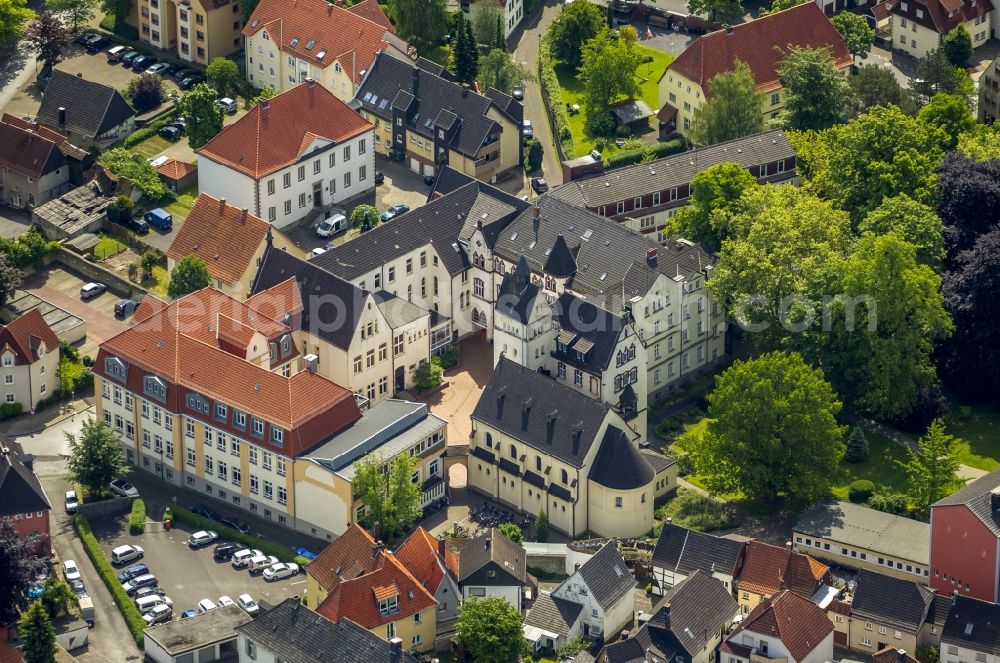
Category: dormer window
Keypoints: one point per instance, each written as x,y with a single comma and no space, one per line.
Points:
389,605
8,359
277,436
112,366
155,387
903,7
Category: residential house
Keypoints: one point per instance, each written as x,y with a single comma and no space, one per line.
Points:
988,108
769,569
538,444
965,540
291,634
29,360
435,566
287,43
513,12
89,114
918,26
782,627
290,157
36,163
761,44
680,552
644,196
207,636
197,31
971,632
22,499
888,612
425,120
858,537
230,240
358,579
490,564
687,625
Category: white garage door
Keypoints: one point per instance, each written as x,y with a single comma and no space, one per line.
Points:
414,165
428,170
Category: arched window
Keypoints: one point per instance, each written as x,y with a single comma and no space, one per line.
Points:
565,476
538,463
513,452
489,440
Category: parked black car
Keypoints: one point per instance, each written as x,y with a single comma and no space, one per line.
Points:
205,512
170,132
379,178
136,225
96,45
191,81
226,550
236,524
142,63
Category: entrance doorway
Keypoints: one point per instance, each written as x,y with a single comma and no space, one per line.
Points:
400,379
317,194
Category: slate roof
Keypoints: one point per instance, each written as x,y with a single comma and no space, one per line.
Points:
92,109
316,287
761,43
769,569
658,461
895,602
276,134
973,624
25,335
29,152
448,179
868,529
592,324
517,295
618,464
607,576
296,635
797,622
20,490
541,412
978,498
676,170
438,102
492,546
553,614
685,551
438,224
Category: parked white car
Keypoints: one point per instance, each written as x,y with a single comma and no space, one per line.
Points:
125,554
224,601
124,488
72,503
242,558
71,570
250,606
202,538
281,570
158,614
205,605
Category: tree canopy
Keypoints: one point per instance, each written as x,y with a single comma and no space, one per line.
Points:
774,430
364,217
576,24
950,114
38,636
224,75
421,22
816,95
484,16
932,469
914,222
936,73
874,86
14,16
857,34
95,456
391,499
137,169
779,5
203,115
724,11
490,630
18,567
968,200
714,193
48,38
190,274
607,71
957,46
76,12
10,279
731,110
146,91
497,69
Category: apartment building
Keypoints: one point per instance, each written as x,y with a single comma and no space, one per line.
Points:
760,43
289,42
198,31
290,157
29,360
917,26
425,120
988,109
22,499
971,632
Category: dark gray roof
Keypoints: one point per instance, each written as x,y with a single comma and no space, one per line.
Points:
507,105
317,288
939,610
658,461
640,647
560,262
492,546
92,109
978,497
433,67
875,531
618,464
631,111
895,602
438,223
439,102
296,635
200,631
675,170
684,551
516,297
973,624
541,412
20,491
598,328
553,614
607,576
448,179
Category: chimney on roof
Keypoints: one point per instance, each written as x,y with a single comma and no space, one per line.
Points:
901,655
62,117
670,520
537,211
729,29
243,216
651,256
396,645
310,83
264,106
995,499
416,80
788,544
486,542
28,460
222,205
678,246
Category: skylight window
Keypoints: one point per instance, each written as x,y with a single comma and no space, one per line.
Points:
513,237
383,104
587,234
255,23
368,96
294,42
321,55
310,44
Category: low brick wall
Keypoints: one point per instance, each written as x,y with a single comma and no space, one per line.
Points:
95,271
115,507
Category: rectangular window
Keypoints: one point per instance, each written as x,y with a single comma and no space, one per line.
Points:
258,427
347,180
301,173
286,180
268,490
347,152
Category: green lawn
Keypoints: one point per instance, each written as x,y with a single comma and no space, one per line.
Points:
182,205
108,246
648,74
152,146
158,284
980,434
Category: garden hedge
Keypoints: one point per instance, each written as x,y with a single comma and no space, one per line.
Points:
137,519
860,491
131,614
228,533
552,95
150,129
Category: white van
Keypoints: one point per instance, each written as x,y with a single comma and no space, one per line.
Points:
205,605
147,603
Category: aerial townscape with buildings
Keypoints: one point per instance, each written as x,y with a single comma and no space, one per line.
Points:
499,331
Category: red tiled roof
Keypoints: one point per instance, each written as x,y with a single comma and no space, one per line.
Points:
761,43
150,305
225,237
769,569
273,134
942,15
385,592
800,624
24,336
352,554
421,554
176,170
28,151
349,36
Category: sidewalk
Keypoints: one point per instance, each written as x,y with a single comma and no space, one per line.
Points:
28,424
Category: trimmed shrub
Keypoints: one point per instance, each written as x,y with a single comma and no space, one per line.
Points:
8,410
131,614
182,515
552,95
149,130
137,519
660,150
860,491
893,503
624,158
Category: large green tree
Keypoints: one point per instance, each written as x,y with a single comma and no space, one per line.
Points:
490,630
18,567
14,16
48,38
575,25
724,11
913,221
76,12
774,430
146,91
857,34
203,115
779,5
137,169
982,143
117,8
188,275
714,193
224,75
936,73
951,114
732,108
38,636
365,217
421,22
10,279
957,46
607,71
884,327
816,95
484,16
391,498
246,9
873,85
497,69
95,456
932,468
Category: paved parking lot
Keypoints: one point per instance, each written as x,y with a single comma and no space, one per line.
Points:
189,576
